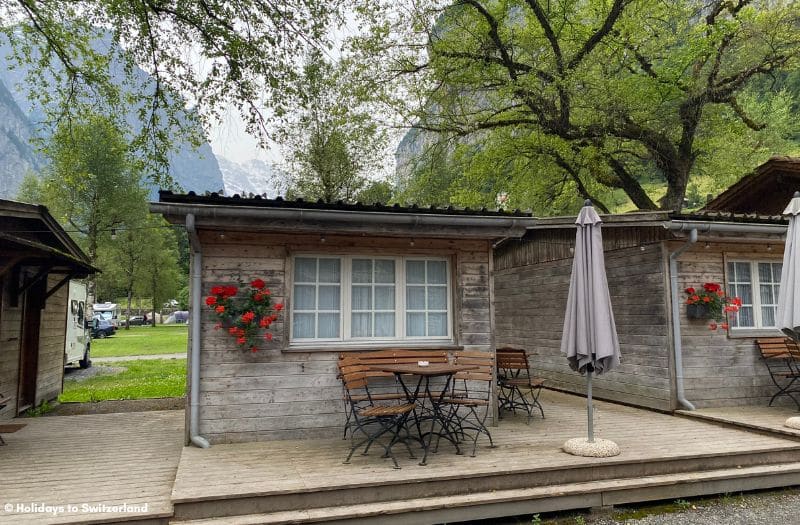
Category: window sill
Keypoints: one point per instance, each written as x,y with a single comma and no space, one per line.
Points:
745,333
366,346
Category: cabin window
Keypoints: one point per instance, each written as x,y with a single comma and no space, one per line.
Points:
756,283
354,299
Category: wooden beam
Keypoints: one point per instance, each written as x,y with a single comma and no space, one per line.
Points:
42,273
7,267
58,286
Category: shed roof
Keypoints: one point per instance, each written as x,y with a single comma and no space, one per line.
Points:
258,213
767,190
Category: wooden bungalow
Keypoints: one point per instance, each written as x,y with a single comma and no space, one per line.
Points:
764,191
351,276
37,260
669,361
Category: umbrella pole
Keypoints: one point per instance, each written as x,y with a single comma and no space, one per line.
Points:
589,401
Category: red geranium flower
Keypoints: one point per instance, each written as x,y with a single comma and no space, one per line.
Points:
695,298
691,291
230,291
258,297
217,290
253,349
241,340
279,307
233,330
724,326
268,336
258,284
712,326
220,309
706,299
711,287
264,322
248,317
211,300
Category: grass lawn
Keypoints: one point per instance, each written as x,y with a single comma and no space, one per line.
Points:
143,340
143,379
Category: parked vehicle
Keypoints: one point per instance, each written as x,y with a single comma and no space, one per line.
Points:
108,311
102,328
137,320
77,344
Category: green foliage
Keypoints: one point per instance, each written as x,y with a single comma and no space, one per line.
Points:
376,191
247,59
143,340
333,144
627,103
141,379
44,408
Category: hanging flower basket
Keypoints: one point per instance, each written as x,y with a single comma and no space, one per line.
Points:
710,302
697,311
248,318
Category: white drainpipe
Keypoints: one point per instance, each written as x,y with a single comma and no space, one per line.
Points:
196,292
692,227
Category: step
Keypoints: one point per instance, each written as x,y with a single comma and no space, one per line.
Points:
489,504
455,483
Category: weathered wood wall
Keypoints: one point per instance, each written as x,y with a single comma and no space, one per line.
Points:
282,393
721,370
10,329
52,338
52,331
531,285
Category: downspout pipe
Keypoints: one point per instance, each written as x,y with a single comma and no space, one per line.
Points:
196,293
677,344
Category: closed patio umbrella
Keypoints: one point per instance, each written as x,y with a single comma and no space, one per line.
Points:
788,315
589,340
789,295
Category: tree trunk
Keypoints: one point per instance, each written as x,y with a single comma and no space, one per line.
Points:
678,180
128,312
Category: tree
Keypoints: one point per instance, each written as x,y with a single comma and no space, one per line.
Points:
159,275
241,54
620,92
92,184
333,143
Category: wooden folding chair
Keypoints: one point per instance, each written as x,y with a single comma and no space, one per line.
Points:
782,359
517,387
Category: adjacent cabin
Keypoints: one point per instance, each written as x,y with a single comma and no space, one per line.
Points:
764,191
37,261
651,259
352,277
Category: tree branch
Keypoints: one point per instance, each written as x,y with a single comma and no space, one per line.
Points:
597,36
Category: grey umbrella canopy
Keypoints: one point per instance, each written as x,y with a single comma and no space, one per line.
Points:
789,296
589,340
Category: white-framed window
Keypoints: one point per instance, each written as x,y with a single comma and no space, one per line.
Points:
358,298
756,283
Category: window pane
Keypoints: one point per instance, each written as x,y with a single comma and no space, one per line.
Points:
329,271
437,324
305,297
361,325
415,298
743,291
768,316
766,294
742,272
305,270
437,272
415,272
776,272
745,317
415,324
362,270
303,326
384,271
362,298
328,297
328,326
384,297
384,325
437,298
764,272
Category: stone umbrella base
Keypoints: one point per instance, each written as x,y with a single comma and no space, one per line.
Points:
793,422
600,448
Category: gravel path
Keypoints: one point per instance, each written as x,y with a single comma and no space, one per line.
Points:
137,357
779,507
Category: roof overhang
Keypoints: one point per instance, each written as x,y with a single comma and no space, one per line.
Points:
28,252
378,223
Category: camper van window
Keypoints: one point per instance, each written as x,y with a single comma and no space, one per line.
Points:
80,312
73,307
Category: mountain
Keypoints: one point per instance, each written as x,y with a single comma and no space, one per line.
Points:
253,176
17,157
193,169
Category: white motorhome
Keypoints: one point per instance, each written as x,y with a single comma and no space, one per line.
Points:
108,311
77,347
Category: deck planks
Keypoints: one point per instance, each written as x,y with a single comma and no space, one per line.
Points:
268,468
96,459
762,418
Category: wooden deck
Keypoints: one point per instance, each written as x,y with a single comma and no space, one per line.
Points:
761,418
108,459
285,481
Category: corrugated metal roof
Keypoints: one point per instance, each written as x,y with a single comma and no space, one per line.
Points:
215,199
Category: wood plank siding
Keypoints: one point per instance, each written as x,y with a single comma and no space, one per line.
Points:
531,282
282,392
52,333
721,369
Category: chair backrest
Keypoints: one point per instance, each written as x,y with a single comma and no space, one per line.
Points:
512,360
483,360
354,377
374,360
780,354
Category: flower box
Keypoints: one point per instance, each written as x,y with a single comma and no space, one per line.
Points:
697,311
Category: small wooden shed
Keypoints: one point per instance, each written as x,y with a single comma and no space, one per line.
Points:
669,361
351,276
37,260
